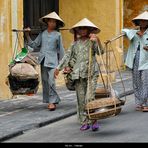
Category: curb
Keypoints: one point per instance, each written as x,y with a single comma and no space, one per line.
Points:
41,124
9,136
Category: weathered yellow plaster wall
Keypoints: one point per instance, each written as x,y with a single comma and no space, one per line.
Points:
106,14
132,8
100,12
7,21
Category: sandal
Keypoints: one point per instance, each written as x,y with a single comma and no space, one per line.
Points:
95,126
145,109
139,108
51,107
85,127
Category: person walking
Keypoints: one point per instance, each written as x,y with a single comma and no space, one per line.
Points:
137,59
76,61
51,51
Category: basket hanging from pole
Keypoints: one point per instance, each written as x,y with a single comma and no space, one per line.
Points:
105,103
103,108
23,78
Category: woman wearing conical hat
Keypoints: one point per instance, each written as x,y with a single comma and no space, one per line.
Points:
51,50
137,59
76,61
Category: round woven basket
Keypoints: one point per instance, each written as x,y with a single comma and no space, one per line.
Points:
23,87
102,93
103,108
23,79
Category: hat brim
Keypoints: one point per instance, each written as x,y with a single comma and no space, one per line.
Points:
92,29
136,21
44,21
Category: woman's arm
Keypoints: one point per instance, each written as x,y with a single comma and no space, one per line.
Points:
33,44
60,48
129,33
64,62
97,46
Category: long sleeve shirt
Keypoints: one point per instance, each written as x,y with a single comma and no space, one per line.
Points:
50,48
135,41
77,57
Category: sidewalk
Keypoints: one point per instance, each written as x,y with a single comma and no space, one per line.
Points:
28,112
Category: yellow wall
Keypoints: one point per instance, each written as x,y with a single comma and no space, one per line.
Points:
9,9
106,14
132,8
100,12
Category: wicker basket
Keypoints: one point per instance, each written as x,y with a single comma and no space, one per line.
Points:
23,79
23,87
103,108
102,93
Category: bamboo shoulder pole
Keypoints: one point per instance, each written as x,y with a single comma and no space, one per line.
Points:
32,30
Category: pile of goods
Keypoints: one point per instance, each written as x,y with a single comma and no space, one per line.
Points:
23,78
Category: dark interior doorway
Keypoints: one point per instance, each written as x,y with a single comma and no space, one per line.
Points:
35,9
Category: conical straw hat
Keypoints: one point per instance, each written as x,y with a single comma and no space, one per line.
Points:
85,23
143,16
52,15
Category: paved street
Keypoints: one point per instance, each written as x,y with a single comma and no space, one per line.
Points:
28,112
128,126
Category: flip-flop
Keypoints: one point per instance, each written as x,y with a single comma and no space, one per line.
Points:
145,109
84,127
139,108
95,126
51,107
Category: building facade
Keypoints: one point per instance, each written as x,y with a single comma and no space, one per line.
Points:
109,15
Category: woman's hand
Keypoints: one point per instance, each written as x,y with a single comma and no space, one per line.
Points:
27,31
56,73
145,48
93,37
67,70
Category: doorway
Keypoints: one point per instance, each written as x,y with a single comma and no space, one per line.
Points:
35,9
